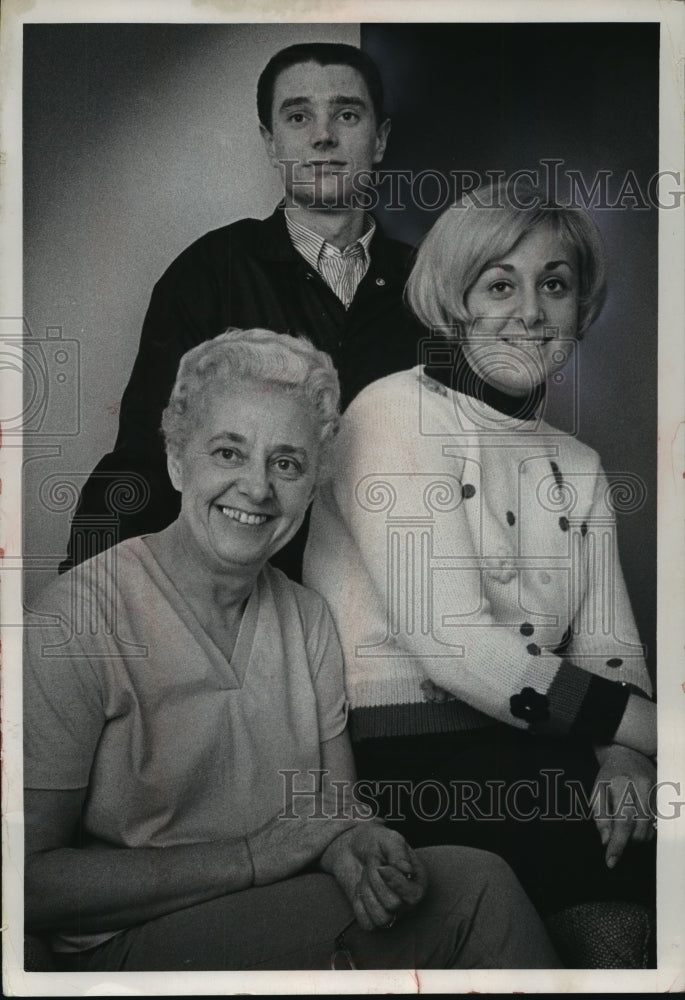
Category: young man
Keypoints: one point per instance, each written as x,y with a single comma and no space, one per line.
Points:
319,266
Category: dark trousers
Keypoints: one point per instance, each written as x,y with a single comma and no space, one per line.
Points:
521,797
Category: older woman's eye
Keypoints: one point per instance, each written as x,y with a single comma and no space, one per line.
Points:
288,467
225,454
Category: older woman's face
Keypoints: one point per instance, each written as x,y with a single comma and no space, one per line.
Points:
524,310
247,473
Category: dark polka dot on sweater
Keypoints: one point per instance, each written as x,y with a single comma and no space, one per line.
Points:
583,529
527,629
529,705
533,649
615,662
468,491
563,523
511,519
558,478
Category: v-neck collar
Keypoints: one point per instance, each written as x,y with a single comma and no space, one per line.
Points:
231,671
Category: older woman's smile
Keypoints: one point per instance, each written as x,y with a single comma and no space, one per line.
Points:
247,474
243,516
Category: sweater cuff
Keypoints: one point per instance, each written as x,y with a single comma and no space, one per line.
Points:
584,706
602,710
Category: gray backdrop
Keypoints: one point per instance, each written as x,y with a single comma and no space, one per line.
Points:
138,139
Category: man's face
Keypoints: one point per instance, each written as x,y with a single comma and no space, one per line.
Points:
323,132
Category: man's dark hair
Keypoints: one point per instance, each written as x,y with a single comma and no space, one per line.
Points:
324,54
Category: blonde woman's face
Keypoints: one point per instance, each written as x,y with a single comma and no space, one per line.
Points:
523,310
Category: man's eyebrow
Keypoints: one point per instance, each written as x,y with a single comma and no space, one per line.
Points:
293,102
354,102
228,436
339,100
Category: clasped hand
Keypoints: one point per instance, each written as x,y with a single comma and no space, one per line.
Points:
378,871
621,799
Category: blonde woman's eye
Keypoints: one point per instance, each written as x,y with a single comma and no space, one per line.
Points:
555,285
500,287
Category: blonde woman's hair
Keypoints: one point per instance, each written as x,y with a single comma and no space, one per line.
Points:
468,237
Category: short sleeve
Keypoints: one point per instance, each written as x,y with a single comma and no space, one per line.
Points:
326,664
63,712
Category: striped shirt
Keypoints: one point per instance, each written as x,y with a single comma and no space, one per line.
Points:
342,270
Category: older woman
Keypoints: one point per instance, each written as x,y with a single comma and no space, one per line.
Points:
183,705
467,551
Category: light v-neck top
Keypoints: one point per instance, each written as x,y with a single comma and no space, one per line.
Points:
126,694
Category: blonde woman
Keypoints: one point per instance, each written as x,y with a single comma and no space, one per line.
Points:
467,551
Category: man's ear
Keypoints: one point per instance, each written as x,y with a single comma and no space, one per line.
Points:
174,468
382,133
268,144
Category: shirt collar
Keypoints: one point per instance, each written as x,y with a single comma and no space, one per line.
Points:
309,244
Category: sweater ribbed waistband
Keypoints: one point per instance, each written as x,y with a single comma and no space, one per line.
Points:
415,719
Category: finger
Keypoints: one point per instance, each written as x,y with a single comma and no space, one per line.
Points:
645,824
396,851
368,847
601,812
621,832
603,825
408,889
360,912
376,912
643,831
419,871
382,887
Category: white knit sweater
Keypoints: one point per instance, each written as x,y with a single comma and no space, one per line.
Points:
458,548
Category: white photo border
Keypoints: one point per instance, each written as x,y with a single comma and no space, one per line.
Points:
670,972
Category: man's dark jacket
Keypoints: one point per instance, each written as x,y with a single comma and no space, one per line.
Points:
244,275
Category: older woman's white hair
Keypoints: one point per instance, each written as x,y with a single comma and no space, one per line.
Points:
291,364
